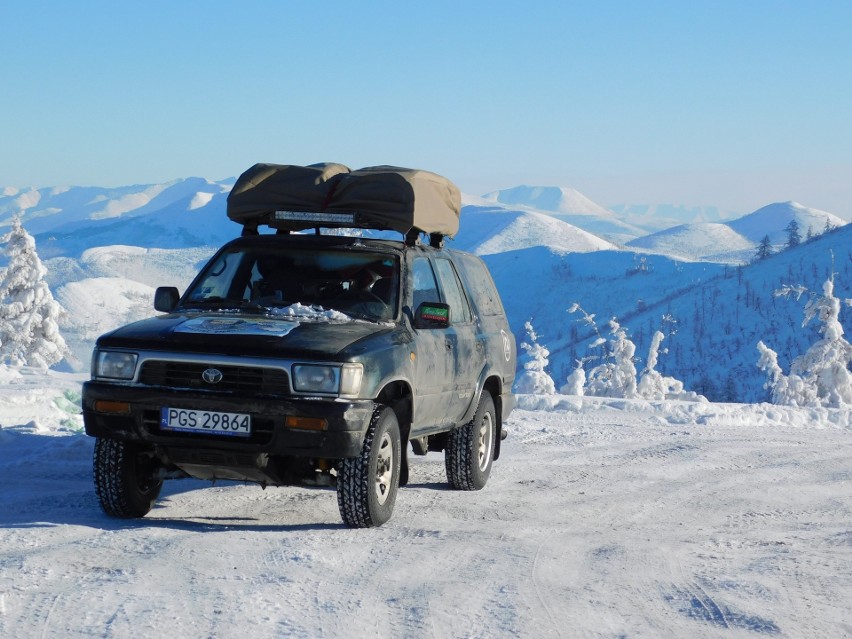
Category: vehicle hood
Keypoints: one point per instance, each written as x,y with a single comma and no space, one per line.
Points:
244,334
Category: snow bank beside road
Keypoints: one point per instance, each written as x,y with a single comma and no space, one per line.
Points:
699,413
47,403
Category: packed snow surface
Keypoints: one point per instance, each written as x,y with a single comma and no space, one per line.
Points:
602,518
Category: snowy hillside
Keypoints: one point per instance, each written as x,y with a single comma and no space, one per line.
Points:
735,242
567,205
656,217
718,321
602,518
773,219
549,198
68,220
710,241
486,230
114,285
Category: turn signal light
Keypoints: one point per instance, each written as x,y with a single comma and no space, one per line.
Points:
117,408
306,423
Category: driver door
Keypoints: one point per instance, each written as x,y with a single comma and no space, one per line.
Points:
433,363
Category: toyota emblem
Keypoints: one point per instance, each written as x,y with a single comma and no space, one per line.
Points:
212,376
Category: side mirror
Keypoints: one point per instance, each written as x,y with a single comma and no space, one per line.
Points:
432,315
166,298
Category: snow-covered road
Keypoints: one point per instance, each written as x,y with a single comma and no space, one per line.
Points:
604,518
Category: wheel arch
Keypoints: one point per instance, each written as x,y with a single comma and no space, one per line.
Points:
494,386
399,397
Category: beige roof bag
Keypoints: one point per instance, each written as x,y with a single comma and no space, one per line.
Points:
381,197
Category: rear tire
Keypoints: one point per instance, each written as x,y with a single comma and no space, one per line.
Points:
367,485
470,449
125,479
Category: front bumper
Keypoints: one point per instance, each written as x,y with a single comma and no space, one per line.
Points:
347,422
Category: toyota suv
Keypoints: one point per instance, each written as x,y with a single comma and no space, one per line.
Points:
302,356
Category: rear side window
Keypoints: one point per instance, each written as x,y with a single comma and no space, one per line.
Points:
480,285
459,310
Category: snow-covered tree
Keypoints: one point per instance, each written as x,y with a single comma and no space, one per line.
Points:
534,380
29,330
820,377
576,381
616,376
655,385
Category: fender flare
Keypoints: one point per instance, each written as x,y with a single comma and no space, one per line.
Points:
485,374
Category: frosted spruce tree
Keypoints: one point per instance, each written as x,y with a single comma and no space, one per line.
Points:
29,329
655,385
617,376
820,377
576,382
534,380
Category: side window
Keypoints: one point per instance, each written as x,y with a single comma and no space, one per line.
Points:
425,288
480,285
459,310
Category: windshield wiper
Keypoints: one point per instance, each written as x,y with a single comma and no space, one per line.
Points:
360,316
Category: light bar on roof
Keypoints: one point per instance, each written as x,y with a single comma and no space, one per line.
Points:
307,216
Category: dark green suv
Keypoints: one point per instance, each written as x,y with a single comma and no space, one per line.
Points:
309,359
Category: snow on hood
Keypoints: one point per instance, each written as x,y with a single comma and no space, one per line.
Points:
299,311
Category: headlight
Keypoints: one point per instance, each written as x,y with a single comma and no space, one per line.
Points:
343,380
114,364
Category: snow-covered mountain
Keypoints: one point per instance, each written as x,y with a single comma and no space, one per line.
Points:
708,241
485,230
656,217
567,205
549,198
772,219
735,242
68,220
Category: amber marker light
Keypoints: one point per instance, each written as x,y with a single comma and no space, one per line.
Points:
306,423
116,408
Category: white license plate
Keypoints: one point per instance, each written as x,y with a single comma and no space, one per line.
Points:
205,421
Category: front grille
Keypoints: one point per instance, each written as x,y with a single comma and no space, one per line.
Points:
241,379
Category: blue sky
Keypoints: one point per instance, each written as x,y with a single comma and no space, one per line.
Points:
734,104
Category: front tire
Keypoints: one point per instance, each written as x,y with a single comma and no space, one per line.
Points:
470,449
367,485
125,479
